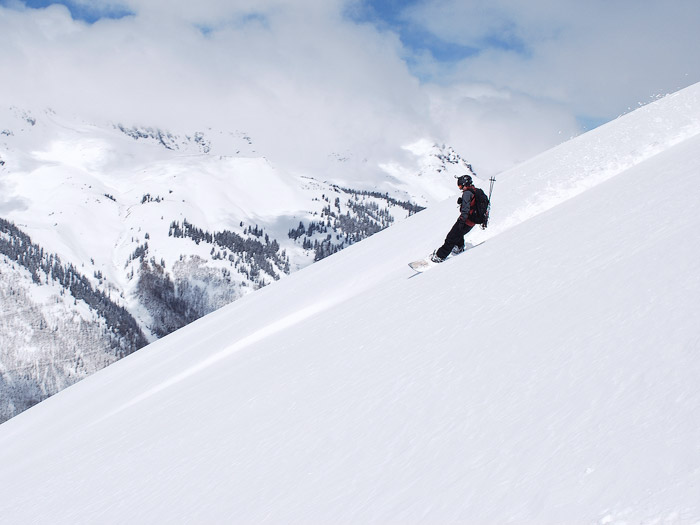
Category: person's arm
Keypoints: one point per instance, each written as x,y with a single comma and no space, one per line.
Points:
465,207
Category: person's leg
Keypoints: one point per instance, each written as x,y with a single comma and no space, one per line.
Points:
455,237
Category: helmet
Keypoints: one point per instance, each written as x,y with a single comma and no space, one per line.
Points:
464,180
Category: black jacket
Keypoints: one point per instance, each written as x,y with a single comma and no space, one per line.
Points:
465,205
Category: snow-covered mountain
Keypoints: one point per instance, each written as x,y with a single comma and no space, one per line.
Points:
547,376
112,235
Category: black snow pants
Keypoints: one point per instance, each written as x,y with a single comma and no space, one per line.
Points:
455,237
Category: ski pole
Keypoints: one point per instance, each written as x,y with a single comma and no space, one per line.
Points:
488,210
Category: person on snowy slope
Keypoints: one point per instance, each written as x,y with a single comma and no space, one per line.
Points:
454,242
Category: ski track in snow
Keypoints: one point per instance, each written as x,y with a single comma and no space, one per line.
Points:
247,341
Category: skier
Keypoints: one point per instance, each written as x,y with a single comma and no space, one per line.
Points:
454,242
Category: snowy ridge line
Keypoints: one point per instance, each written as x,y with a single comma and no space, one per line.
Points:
556,195
562,173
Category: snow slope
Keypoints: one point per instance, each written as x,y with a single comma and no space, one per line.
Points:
548,376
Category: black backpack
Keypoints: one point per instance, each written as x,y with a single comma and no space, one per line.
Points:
479,207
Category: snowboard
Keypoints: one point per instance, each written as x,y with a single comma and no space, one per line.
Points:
422,265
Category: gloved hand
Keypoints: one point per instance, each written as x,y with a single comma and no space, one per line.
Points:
459,200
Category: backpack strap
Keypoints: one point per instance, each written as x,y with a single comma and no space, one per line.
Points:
472,204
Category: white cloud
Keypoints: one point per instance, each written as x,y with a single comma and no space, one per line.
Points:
595,57
495,128
305,81
299,80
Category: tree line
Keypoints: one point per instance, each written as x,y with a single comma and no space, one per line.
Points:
17,246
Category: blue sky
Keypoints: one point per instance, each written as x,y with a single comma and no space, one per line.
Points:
385,14
389,15
498,80
79,11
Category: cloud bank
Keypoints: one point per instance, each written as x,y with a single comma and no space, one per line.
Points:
309,78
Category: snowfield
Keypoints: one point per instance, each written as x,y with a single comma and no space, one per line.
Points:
549,375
